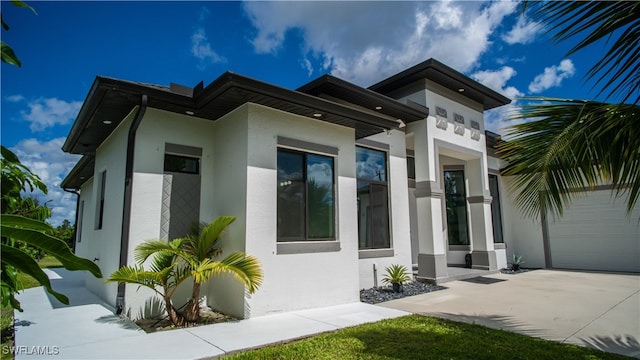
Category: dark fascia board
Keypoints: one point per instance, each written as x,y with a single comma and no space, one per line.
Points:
412,113
103,84
413,74
230,80
81,173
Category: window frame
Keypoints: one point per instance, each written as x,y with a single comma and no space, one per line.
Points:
371,252
498,207
306,245
100,199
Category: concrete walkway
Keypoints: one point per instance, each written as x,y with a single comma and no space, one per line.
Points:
87,329
598,310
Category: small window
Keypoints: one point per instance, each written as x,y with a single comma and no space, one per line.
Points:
306,196
411,167
102,179
79,220
181,164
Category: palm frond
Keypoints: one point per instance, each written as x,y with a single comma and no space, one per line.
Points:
598,21
243,267
211,234
152,247
135,275
568,146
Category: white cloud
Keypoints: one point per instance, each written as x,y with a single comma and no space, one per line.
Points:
552,76
201,49
15,98
306,64
200,46
494,120
51,164
381,38
523,32
49,112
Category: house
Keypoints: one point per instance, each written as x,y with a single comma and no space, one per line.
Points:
330,183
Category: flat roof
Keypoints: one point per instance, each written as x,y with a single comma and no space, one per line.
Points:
367,99
442,74
110,100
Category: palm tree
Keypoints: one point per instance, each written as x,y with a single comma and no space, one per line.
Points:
174,262
569,145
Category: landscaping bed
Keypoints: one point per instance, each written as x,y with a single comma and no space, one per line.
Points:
207,316
385,293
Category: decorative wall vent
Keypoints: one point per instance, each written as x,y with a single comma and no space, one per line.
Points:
475,130
441,118
459,124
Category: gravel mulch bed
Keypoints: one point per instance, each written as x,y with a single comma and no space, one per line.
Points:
512,272
385,293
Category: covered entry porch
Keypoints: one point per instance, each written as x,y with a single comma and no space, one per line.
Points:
451,215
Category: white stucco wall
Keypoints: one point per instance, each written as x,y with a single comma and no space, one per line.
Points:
230,198
522,235
85,246
157,128
104,244
399,213
305,280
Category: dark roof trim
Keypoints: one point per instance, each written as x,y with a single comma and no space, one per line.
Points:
101,86
112,99
444,75
81,173
232,80
331,85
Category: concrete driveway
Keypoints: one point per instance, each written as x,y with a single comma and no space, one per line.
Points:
598,310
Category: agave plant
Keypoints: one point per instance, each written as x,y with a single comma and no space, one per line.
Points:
174,262
396,276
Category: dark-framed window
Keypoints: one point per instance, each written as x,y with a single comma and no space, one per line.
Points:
181,164
79,221
411,167
373,199
496,211
306,196
456,206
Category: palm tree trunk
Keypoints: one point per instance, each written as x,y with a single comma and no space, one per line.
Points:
192,310
176,319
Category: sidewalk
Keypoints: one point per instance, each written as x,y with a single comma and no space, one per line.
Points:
88,329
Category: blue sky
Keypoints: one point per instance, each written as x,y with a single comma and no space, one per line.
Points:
67,44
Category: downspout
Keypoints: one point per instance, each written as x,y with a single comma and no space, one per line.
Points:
75,223
126,209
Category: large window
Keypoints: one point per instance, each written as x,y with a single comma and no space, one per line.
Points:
456,205
496,213
306,196
373,199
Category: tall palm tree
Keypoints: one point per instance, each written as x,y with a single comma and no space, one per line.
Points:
566,146
174,262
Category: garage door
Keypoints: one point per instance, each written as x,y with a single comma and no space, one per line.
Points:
596,234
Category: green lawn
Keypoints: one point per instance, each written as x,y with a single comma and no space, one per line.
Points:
6,319
420,337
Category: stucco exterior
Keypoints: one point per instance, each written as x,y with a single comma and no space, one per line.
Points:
427,131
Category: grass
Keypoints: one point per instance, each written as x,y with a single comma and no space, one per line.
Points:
420,337
6,318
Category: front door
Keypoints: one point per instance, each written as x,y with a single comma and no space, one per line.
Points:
456,209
